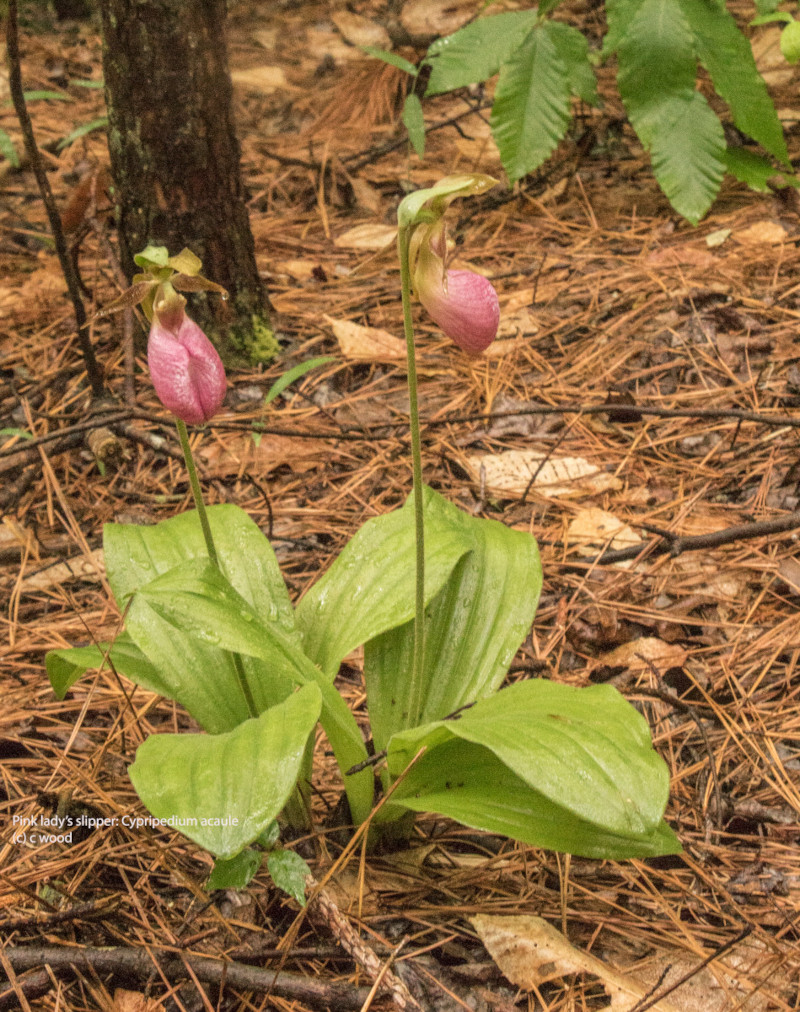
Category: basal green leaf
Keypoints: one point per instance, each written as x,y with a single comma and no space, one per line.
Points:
468,783
473,628
236,873
728,57
294,374
370,586
532,104
573,49
289,873
193,611
476,52
414,122
222,790
65,667
586,750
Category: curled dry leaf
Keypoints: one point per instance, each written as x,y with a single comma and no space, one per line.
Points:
266,79
510,473
368,236
529,951
768,233
636,653
367,343
593,530
89,568
248,455
361,31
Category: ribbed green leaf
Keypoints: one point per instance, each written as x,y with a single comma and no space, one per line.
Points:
619,15
573,49
65,667
532,104
473,629
475,52
289,872
222,790
371,586
727,56
687,155
467,783
756,171
237,873
586,752
657,71
193,608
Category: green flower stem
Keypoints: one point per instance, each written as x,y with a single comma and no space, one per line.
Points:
212,550
403,237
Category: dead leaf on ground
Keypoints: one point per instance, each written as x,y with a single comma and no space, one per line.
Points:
768,233
593,530
241,455
789,572
83,567
529,951
636,653
514,325
770,61
424,18
361,31
300,270
368,236
510,473
133,1001
265,79
367,343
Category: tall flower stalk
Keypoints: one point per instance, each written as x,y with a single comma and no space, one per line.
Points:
465,306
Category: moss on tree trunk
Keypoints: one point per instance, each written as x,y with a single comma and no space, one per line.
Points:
175,158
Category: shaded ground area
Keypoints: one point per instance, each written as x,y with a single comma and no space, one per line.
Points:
644,393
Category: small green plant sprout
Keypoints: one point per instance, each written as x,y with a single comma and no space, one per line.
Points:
440,600
544,65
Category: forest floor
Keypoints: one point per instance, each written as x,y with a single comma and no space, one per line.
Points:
607,298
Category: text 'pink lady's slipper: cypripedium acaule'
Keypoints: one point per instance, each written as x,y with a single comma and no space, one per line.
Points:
186,370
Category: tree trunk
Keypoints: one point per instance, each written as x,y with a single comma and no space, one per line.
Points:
175,158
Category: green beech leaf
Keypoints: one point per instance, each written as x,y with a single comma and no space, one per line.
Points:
289,873
391,58
657,71
755,170
473,628
586,751
81,131
65,667
294,374
8,151
237,873
531,108
371,586
414,122
223,790
619,14
476,51
728,57
573,49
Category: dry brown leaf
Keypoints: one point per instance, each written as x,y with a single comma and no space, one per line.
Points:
361,31
369,343
133,1001
515,324
636,653
529,951
510,472
789,572
503,346
265,79
594,529
324,42
300,270
366,195
368,236
763,232
89,568
769,59
425,18
240,455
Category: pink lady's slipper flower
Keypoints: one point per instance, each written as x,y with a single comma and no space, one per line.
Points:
187,373
464,304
